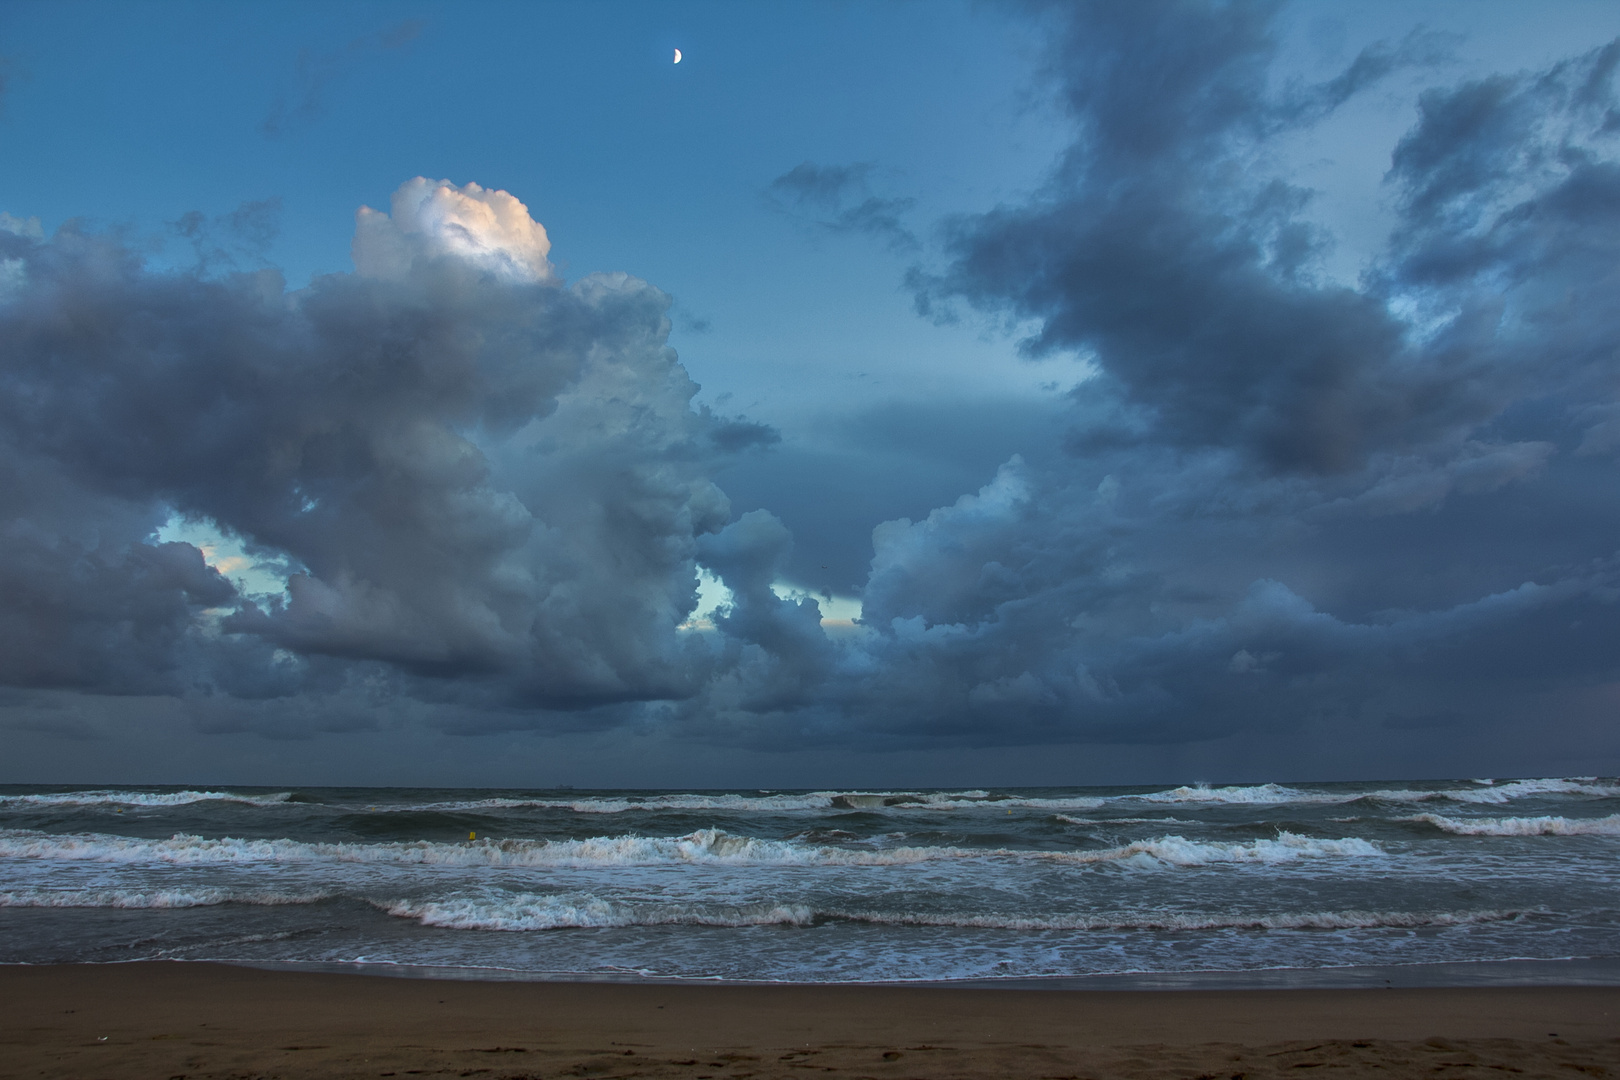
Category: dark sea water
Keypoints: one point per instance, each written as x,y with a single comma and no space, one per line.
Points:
1015,884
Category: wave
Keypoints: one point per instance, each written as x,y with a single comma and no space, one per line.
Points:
139,798
1070,819
532,912
1480,792
1490,793
150,898
818,801
1179,851
528,911
1547,825
632,803
710,846
1484,792
1318,920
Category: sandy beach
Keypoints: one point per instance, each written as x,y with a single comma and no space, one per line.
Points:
171,1020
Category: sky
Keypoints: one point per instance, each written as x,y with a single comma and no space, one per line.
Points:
887,394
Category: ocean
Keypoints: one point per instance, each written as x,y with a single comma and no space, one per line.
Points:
1024,886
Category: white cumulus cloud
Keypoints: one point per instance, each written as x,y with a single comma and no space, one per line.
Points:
432,218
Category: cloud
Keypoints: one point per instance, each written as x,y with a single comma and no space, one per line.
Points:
1187,275
436,219
838,198
1285,501
317,71
243,235
488,484
1282,505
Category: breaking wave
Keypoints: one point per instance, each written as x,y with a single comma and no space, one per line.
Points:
1482,792
532,912
150,898
704,846
1179,851
528,911
1548,825
139,798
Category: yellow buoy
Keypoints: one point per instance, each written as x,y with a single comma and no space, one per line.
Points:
472,836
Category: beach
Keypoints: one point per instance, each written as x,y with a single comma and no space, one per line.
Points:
204,1020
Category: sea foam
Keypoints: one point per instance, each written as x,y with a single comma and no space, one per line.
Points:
710,846
152,898
529,911
138,798
1547,825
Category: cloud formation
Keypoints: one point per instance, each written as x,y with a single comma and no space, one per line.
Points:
1279,501
480,476
1285,497
838,198
317,70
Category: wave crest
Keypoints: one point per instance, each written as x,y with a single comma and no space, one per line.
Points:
1546,825
702,846
151,898
139,798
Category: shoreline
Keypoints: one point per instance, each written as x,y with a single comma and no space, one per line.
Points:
1525,973
202,1020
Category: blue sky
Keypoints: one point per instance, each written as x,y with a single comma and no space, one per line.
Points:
861,214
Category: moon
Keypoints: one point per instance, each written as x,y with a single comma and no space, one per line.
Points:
677,56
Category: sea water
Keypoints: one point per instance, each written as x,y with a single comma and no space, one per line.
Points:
819,886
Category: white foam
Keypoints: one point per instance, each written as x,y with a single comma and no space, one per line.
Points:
1276,794
528,911
138,798
911,801
1179,851
703,846
149,898
1524,789
710,846
1244,795
1547,825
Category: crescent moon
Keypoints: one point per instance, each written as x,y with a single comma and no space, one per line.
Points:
677,56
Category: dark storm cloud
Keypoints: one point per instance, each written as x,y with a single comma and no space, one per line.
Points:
838,198
731,435
476,473
1287,501
317,70
877,462
1154,249
227,240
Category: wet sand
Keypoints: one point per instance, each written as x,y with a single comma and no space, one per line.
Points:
157,1020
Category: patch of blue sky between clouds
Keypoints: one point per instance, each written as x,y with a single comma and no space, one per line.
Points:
712,596
839,614
253,576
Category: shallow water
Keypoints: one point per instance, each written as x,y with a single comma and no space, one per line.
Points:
819,886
